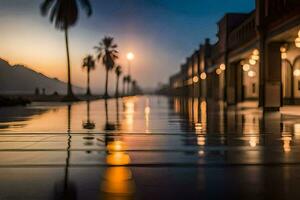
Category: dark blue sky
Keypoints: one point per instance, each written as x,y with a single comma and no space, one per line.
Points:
160,32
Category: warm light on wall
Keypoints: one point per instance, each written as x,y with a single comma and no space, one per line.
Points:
252,62
195,79
284,55
246,67
297,42
297,72
203,76
223,67
255,52
218,71
283,49
251,74
255,57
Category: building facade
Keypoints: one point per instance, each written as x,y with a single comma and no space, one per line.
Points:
256,57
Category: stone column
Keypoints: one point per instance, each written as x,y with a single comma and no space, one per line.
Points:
271,86
240,84
231,84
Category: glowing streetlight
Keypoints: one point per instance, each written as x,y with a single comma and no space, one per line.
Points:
284,55
252,61
223,67
251,74
203,76
219,71
297,72
283,49
195,79
130,56
254,57
246,67
297,42
255,52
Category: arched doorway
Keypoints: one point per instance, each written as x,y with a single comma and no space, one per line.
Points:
251,82
296,79
286,77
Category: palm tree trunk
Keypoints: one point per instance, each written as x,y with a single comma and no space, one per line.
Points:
132,89
124,84
66,178
88,92
70,92
106,85
128,88
117,87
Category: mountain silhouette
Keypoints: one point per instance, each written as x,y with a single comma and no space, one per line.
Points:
19,79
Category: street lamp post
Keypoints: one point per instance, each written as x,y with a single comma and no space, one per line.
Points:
130,57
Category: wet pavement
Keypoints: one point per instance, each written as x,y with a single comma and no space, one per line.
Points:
148,147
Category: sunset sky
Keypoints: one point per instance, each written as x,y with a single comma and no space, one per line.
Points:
161,33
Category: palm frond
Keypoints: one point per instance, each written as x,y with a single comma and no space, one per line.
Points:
64,13
86,5
45,7
88,62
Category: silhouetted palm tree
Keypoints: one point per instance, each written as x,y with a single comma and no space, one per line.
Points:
88,64
64,14
107,51
133,87
128,84
124,84
118,72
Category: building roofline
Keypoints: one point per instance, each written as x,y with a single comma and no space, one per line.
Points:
234,14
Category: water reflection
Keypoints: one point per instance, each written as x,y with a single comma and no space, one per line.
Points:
109,126
15,118
117,181
68,191
88,124
129,109
199,123
147,116
118,125
110,163
215,124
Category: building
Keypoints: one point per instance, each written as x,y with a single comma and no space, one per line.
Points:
256,57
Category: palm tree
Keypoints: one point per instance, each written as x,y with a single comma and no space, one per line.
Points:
133,87
107,51
118,72
64,14
124,84
128,84
88,64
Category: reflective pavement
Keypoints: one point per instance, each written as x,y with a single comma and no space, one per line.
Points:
148,147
